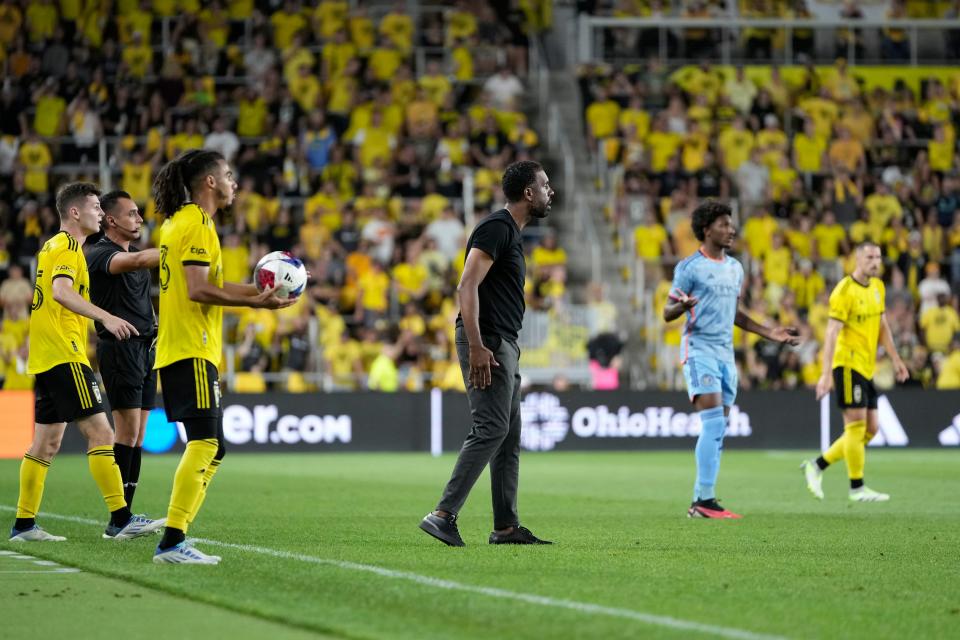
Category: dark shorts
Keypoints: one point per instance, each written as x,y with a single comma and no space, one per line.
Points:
191,389
66,393
126,369
854,391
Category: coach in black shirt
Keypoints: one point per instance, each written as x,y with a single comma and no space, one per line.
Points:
491,312
120,283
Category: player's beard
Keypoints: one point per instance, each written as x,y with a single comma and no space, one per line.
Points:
540,212
224,197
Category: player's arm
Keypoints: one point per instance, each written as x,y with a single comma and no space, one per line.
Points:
886,339
678,303
785,335
201,290
63,294
125,262
475,269
829,348
241,289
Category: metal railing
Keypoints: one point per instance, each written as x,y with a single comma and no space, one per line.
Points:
590,29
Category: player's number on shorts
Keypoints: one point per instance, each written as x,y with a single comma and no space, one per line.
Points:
164,268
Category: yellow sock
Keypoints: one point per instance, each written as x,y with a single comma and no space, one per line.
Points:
867,437
854,449
106,473
188,481
835,452
33,474
207,477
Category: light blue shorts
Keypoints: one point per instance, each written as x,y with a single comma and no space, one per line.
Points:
709,375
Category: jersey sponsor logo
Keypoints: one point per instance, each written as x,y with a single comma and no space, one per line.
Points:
63,268
198,251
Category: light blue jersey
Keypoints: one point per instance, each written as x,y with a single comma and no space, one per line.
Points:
708,333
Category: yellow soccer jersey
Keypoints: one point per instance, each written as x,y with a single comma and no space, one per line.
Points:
860,308
58,335
188,329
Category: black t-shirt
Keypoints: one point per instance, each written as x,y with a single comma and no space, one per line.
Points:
501,292
125,295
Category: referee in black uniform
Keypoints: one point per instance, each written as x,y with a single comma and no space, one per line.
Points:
491,313
120,283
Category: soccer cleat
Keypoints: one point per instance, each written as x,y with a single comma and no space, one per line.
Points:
443,529
34,534
137,526
183,553
519,535
814,477
866,494
710,509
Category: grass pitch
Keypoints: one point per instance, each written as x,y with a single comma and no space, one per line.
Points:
328,546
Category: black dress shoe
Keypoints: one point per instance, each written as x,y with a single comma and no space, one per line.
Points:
443,529
519,535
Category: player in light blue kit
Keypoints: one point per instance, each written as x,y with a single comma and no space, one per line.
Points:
706,286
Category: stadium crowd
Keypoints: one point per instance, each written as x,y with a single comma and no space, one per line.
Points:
351,131
817,159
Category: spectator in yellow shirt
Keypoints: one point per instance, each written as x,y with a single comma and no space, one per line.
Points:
777,261
939,325
651,239
398,27
830,237
735,145
603,117
548,254
806,284
809,149
847,152
882,206
373,295
35,157
757,231
940,150
949,376
286,22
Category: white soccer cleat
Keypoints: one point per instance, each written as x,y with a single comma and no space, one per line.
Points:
866,494
34,534
814,476
184,553
138,526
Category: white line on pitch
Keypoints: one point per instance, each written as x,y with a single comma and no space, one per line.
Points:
493,592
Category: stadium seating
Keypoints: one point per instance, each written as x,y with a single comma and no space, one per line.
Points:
352,131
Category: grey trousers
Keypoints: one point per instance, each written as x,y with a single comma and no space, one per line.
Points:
494,437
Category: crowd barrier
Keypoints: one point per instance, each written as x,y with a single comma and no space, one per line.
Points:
573,421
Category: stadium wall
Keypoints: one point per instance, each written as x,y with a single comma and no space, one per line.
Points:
571,421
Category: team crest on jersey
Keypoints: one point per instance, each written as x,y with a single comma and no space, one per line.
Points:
96,390
706,380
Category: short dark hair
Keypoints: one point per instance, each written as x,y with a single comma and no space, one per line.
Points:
518,177
69,194
705,215
109,200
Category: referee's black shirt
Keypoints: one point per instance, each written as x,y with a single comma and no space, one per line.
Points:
125,295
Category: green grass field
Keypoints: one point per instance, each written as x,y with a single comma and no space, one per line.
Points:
328,546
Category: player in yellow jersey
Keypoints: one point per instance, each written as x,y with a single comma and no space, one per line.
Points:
857,323
192,297
66,390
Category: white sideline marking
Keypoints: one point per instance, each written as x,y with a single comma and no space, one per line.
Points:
52,567
493,592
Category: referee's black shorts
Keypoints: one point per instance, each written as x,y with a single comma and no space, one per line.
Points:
854,391
191,389
65,393
126,368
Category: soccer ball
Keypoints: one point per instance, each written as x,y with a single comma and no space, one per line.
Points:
282,270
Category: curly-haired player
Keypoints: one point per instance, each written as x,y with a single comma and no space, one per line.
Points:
706,286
